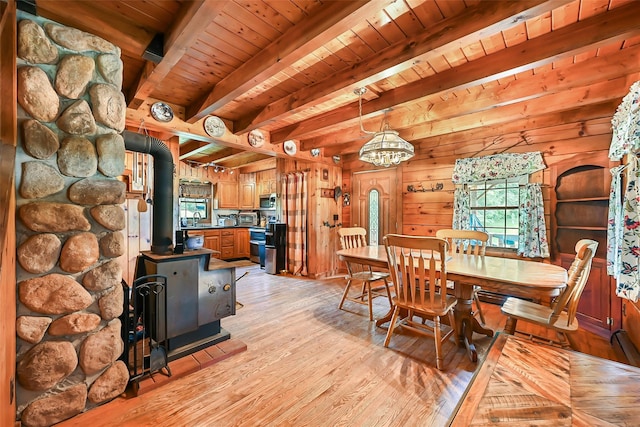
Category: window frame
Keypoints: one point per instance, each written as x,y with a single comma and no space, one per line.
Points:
499,236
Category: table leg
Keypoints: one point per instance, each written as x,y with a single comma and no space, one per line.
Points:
386,318
466,324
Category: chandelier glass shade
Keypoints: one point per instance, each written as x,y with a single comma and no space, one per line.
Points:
386,148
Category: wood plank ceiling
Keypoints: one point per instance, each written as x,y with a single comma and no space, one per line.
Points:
435,70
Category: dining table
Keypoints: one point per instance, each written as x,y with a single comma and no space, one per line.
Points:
508,276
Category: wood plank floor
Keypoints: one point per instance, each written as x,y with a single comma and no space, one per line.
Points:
309,364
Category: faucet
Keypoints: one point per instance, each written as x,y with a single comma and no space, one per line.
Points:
196,217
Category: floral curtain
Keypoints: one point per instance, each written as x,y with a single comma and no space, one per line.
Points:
623,238
295,215
461,209
626,125
532,229
614,232
498,166
623,234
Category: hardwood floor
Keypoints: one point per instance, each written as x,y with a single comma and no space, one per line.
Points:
309,364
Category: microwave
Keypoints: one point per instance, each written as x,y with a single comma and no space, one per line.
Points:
248,218
268,201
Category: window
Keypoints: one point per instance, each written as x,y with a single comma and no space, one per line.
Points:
188,207
374,217
495,210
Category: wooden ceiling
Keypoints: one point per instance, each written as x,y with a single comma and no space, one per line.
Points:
433,69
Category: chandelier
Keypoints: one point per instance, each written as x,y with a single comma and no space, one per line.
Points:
386,148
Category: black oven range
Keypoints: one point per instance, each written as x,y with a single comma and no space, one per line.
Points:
257,241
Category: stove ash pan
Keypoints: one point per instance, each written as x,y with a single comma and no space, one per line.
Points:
196,298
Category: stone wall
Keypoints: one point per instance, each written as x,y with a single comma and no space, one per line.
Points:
70,220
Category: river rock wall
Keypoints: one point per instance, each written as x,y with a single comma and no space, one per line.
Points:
71,112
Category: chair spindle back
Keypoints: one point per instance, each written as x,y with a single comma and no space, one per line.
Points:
415,263
471,242
578,275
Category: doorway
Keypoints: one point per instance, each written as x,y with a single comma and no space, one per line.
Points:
375,205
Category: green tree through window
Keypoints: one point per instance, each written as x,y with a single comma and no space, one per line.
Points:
495,207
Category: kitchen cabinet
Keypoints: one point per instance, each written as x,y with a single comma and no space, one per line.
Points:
227,242
266,182
247,191
579,210
241,243
212,241
227,194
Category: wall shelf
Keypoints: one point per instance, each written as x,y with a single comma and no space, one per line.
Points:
579,210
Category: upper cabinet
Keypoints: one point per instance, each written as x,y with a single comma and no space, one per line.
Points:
266,181
227,195
247,191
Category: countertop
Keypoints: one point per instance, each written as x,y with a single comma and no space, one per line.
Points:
217,227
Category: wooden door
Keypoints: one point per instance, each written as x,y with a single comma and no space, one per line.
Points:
376,193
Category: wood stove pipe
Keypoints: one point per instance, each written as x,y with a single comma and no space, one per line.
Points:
161,242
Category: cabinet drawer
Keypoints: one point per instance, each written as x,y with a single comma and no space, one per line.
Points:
226,241
227,232
226,252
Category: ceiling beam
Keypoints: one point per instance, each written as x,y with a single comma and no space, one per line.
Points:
130,36
582,74
247,158
570,40
475,23
605,93
225,155
195,16
303,38
260,165
488,133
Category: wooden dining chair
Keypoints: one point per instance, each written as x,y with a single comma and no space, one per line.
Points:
561,315
355,237
470,242
417,266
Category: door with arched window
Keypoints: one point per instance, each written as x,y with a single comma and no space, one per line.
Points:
375,205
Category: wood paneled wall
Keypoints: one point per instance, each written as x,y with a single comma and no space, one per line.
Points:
425,212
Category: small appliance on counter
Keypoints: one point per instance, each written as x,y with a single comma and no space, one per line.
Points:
226,221
248,219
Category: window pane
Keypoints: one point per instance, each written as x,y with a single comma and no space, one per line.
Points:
374,215
495,218
513,196
496,197
512,218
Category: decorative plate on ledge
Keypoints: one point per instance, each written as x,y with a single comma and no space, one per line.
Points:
256,138
214,126
161,112
290,147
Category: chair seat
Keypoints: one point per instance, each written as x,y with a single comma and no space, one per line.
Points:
536,313
369,276
435,309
